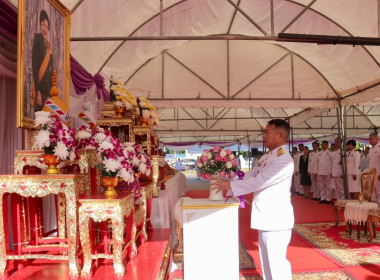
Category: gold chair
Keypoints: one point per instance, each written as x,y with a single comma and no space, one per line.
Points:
367,183
373,219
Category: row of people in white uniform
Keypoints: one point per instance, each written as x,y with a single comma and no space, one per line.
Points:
325,169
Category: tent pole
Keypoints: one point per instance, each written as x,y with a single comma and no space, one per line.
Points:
343,121
249,153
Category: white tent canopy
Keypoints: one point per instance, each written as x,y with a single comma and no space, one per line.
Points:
218,69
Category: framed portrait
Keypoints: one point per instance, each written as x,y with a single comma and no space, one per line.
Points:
43,46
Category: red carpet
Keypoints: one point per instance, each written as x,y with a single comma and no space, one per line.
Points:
146,266
308,262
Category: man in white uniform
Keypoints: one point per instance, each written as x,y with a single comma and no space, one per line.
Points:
313,171
374,162
364,159
336,170
272,211
324,173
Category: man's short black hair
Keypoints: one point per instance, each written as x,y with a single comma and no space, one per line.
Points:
325,142
352,142
44,16
279,123
316,143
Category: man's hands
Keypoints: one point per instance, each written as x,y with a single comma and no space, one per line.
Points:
220,185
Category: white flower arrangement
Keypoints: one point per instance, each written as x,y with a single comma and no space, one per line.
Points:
55,137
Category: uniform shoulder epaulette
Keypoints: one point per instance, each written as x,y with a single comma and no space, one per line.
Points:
280,151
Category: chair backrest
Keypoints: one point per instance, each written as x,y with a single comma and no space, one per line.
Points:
367,182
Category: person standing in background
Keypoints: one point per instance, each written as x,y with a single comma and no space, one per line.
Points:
303,167
296,175
364,159
313,171
336,170
178,165
324,173
42,64
353,163
374,162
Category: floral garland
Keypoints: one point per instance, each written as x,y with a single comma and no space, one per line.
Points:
55,137
219,161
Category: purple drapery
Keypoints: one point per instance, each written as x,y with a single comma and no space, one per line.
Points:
8,19
213,144
82,80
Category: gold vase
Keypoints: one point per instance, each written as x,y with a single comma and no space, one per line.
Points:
51,161
119,112
109,183
143,121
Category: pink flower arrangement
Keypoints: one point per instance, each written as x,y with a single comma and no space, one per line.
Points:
55,137
115,160
219,161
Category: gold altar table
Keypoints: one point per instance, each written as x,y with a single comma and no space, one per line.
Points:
100,208
67,187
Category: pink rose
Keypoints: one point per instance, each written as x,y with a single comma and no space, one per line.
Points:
223,174
232,174
206,176
228,151
216,149
204,158
234,162
226,159
218,158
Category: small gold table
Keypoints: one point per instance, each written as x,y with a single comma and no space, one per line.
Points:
67,185
100,208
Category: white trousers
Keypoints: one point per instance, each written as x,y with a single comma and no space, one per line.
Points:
296,183
314,185
273,246
339,189
324,182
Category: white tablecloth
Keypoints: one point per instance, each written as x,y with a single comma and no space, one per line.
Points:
163,205
356,212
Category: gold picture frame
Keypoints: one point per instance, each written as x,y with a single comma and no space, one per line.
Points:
43,45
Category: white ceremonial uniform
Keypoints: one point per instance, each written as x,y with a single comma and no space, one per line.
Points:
364,162
374,162
324,172
313,170
353,164
272,211
296,176
336,173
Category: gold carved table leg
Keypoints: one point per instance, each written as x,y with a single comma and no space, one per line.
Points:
61,208
117,239
86,246
3,259
71,222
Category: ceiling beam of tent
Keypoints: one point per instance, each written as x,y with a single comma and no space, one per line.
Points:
298,16
364,116
292,71
194,73
233,132
340,26
258,76
233,18
206,113
248,18
133,32
219,119
360,90
271,18
194,119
